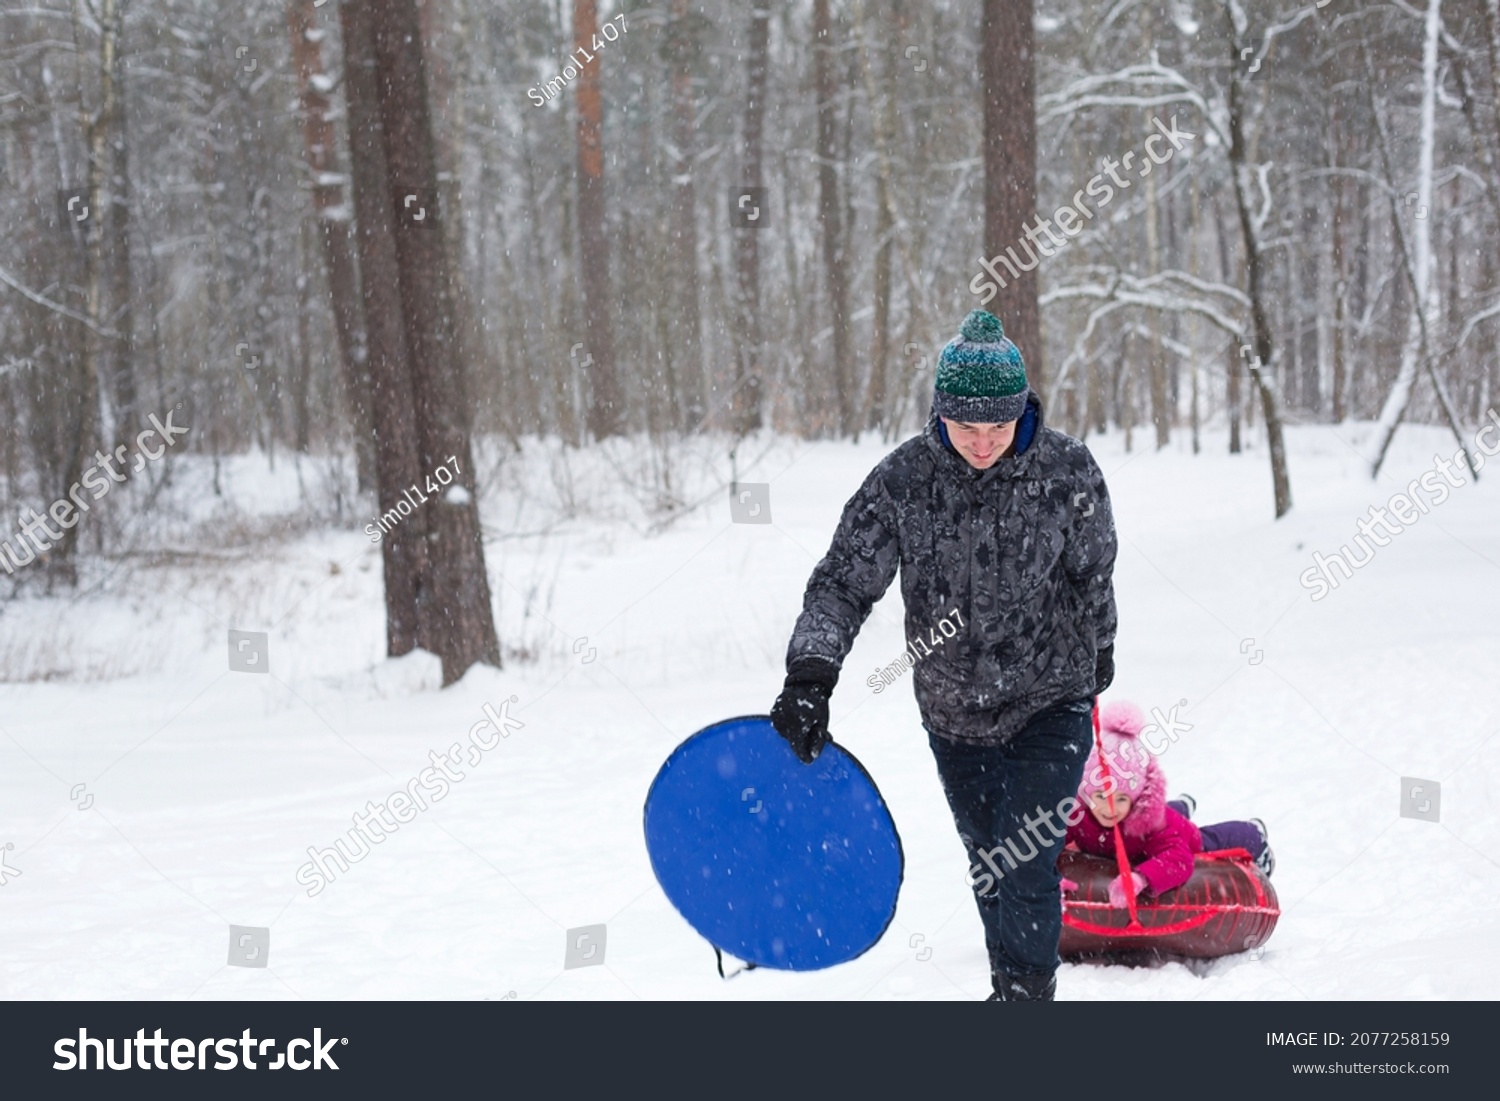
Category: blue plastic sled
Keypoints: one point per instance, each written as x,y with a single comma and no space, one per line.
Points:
781,864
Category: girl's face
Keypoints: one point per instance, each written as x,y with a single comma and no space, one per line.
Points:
1109,809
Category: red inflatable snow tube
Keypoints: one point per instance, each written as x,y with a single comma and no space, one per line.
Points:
1227,906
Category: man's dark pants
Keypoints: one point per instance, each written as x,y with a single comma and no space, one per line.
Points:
992,790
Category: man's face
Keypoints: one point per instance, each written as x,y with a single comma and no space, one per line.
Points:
980,444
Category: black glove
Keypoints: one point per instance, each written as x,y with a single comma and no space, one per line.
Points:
1104,670
800,713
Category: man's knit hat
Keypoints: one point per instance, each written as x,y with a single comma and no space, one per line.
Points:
980,376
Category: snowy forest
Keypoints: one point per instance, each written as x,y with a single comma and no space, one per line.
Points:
575,269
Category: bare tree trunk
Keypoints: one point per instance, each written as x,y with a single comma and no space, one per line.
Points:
302,382
78,400
1156,375
1195,324
830,216
333,228
398,463
792,369
1393,410
880,344
606,408
456,611
118,360
1098,408
883,120
1340,275
684,345
1161,408
471,348
1008,50
1234,400
1492,42
750,362
1261,350
1197,446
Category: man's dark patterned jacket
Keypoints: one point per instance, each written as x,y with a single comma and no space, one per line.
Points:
1024,551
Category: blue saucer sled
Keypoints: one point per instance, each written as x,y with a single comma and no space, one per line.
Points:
783,865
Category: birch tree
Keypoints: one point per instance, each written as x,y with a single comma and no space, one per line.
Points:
1422,326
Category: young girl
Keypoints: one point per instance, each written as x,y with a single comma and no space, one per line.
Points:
1160,840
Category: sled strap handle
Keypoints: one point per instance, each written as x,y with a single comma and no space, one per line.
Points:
1122,861
719,959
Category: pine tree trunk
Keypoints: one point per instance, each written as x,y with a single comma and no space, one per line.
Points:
403,547
78,398
1340,275
1195,325
746,403
606,408
1492,43
830,216
883,122
1009,74
444,20
684,331
333,229
456,613
1162,409
118,361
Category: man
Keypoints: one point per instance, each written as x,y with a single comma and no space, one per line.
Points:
1007,522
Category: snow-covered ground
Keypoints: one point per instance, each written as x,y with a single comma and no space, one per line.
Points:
204,788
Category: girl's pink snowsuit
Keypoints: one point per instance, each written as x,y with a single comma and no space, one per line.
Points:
1164,856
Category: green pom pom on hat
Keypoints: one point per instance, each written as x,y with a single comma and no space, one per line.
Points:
981,378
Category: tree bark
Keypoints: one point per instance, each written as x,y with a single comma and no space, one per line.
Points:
118,360
398,464
444,21
333,231
1492,43
456,614
1416,351
1340,274
883,121
1009,75
684,345
1162,409
830,216
606,408
746,404
78,399
1234,400
1261,350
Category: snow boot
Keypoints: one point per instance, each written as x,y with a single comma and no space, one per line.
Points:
1266,861
1023,988
1188,803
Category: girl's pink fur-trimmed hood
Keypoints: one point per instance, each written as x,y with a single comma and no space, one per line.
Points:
1132,766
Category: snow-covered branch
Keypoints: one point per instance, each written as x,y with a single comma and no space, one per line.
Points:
1098,91
1166,292
56,307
